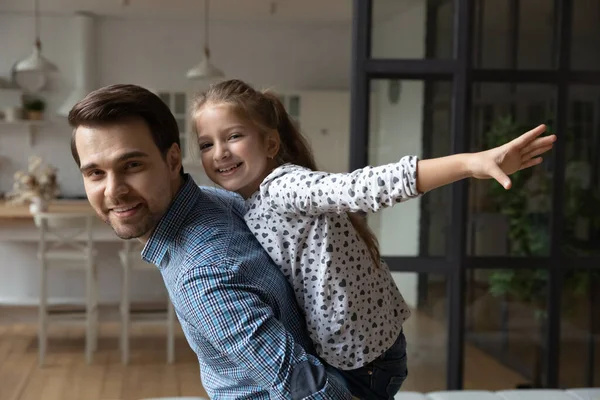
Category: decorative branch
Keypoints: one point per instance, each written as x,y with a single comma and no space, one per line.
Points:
39,181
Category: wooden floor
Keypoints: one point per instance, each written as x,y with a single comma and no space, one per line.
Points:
68,377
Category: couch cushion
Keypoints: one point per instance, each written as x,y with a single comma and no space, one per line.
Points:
462,395
585,393
534,394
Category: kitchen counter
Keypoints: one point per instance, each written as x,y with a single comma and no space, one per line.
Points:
20,267
16,222
21,212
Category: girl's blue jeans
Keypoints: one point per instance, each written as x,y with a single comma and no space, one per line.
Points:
382,378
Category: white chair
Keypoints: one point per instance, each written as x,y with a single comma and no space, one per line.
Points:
131,260
66,242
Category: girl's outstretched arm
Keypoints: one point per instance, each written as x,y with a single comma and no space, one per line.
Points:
296,190
497,163
291,189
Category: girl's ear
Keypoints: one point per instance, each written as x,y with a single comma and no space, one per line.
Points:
273,143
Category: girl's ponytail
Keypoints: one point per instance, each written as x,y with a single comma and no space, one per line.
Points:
295,149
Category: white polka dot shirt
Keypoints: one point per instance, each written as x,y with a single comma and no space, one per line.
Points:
354,312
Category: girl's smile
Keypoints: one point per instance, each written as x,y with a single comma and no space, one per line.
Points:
234,153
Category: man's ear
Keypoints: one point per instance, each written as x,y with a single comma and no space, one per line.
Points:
273,143
174,159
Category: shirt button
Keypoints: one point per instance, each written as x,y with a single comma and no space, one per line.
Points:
370,372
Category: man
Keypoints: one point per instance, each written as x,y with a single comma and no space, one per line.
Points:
235,307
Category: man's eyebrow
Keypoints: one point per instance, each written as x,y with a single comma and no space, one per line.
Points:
121,158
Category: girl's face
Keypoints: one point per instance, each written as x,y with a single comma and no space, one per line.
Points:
235,154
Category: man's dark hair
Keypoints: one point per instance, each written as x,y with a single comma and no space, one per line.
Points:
118,103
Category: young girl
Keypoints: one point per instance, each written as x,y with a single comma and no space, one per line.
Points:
304,219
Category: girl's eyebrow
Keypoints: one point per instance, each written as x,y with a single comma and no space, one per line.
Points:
228,129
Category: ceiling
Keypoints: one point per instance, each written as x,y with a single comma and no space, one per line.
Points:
226,10
321,11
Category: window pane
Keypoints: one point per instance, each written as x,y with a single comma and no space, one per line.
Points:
582,173
514,34
400,29
282,100
166,97
505,321
586,35
411,118
580,330
179,103
181,124
425,330
294,106
511,222
184,146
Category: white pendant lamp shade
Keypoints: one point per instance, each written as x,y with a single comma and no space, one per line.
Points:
205,69
36,62
32,72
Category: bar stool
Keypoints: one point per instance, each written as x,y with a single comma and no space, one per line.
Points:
66,242
131,260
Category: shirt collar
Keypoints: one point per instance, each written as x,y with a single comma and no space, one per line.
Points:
170,223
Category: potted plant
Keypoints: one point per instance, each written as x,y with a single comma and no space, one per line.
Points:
34,108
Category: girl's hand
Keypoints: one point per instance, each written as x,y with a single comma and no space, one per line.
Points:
520,153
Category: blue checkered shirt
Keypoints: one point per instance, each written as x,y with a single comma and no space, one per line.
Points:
236,309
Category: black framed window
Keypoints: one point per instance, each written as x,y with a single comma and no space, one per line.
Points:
507,265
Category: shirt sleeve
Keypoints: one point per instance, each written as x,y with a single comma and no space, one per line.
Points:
234,319
367,189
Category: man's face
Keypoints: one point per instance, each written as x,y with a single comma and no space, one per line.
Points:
127,181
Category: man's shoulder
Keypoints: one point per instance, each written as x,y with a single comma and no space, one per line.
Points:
216,225
221,196
214,208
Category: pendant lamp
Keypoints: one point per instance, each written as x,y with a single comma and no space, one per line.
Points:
205,69
35,65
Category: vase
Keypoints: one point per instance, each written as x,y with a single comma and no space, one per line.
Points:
35,115
12,114
38,205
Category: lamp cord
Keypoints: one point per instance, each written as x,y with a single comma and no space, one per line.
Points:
38,42
206,11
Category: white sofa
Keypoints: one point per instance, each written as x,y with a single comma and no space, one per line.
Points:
524,394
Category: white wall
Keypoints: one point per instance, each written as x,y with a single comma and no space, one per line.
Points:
398,133
155,54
